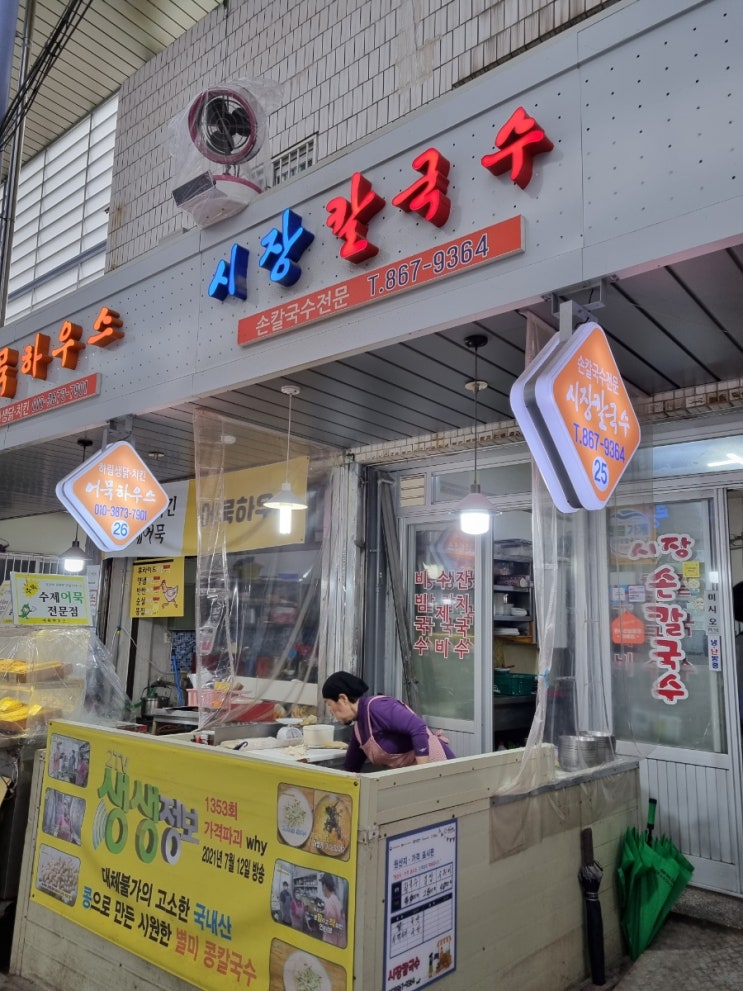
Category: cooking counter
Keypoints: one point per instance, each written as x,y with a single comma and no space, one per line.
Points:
414,855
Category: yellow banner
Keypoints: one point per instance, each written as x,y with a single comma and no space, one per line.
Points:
248,524
158,588
222,869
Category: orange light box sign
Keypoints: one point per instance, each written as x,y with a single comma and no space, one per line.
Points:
113,496
577,418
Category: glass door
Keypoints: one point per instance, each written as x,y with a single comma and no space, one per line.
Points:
445,569
667,675
671,661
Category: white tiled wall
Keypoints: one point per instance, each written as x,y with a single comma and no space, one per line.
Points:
343,72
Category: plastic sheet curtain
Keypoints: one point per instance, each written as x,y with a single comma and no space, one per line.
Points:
569,585
261,612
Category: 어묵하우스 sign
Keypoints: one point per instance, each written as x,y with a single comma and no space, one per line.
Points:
113,496
577,418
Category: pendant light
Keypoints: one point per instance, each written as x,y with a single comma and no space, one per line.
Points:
74,559
285,500
475,509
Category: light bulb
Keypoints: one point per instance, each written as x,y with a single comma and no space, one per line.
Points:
475,511
474,522
74,565
285,519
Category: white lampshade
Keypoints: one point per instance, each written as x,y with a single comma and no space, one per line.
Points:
285,501
73,560
474,512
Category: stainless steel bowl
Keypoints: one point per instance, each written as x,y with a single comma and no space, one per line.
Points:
579,752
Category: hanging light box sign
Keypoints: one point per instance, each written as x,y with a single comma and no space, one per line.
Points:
577,418
113,496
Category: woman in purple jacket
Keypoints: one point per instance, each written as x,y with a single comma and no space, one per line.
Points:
386,732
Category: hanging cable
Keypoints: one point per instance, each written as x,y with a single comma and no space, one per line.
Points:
19,106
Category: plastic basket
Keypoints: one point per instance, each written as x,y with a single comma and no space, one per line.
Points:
241,708
207,698
507,682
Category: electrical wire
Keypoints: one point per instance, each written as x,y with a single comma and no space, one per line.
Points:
20,105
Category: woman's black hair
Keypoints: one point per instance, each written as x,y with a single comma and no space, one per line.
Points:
344,683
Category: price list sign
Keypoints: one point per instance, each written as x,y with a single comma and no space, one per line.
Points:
113,496
420,907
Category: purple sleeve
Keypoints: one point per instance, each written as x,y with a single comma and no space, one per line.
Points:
355,756
396,719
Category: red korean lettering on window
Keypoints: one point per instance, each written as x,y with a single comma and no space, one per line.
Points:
670,688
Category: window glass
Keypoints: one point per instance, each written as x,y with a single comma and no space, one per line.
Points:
442,611
496,481
667,678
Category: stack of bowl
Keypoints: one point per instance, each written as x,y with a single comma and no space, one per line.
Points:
579,752
606,744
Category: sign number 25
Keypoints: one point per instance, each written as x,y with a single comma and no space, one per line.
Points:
600,473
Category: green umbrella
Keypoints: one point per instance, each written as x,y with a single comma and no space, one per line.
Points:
651,876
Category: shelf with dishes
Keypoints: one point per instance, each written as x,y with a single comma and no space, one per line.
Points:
513,612
513,591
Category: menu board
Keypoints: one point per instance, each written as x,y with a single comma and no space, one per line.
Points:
224,875
420,907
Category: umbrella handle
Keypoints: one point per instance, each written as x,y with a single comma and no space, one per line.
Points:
652,805
586,846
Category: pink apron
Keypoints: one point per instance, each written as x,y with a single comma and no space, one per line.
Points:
377,755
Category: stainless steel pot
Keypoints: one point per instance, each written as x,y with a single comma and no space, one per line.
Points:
151,705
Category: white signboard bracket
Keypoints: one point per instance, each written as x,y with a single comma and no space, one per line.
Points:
572,312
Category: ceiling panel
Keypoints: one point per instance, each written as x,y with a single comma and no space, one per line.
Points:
113,40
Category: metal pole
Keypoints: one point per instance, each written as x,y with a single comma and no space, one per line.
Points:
10,193
8,21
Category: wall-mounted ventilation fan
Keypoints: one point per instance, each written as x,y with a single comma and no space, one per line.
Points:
226,126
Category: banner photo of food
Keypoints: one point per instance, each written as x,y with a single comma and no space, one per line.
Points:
222,871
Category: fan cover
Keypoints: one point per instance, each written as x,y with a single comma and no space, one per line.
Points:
223,126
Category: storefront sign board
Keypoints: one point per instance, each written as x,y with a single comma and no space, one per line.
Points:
450,258
184,859
577,418
51,399
114,496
